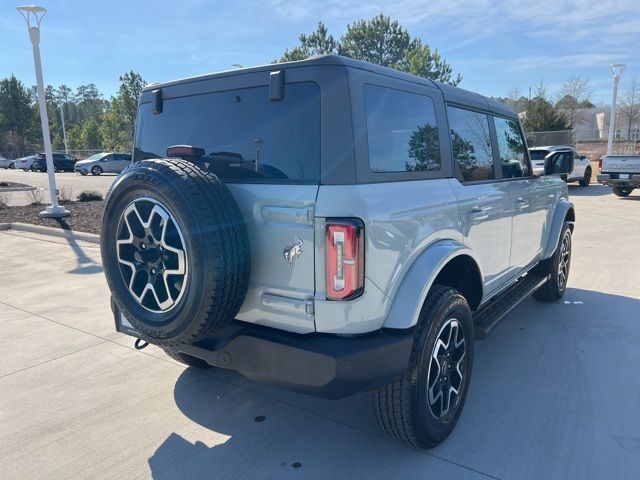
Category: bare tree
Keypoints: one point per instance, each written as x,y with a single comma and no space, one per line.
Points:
574,94
630,110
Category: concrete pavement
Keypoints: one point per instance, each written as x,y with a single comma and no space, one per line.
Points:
555,389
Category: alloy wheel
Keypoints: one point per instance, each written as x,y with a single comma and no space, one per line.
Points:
447,369
563,262
152,255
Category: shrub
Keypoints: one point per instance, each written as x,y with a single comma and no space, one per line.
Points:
66,194
35,197
89,196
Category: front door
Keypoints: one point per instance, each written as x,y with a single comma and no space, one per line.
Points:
528,198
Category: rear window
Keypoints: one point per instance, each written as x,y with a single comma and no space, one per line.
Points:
538,154
244,135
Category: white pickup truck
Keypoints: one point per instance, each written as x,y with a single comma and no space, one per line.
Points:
622,172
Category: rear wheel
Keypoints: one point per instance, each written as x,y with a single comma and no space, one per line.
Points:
175,251
186,359
586,179
557,268
622,192
422,407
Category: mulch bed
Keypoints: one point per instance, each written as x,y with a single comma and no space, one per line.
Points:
12,185
84,217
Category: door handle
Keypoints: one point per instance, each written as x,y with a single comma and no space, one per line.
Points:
521,204
477,213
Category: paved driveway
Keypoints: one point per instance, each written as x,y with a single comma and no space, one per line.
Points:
73,182
555,392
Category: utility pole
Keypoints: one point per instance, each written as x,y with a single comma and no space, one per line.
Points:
64,131
616,69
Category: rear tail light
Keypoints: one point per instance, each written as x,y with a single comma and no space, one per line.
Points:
600,165
344,259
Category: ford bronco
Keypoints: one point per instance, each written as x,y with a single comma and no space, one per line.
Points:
333,227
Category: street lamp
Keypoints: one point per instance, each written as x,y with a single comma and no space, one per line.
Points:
616,69
33,16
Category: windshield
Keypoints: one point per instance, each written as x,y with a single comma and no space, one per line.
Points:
538,154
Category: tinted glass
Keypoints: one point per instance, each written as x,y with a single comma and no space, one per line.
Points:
538,154
512,150
401,131
241,133
471,142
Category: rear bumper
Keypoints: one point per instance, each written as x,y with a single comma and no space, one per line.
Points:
632,182
322,365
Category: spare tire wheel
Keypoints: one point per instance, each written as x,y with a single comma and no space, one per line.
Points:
175,251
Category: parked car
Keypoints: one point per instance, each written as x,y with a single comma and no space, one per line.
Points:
332,227
25,162
61,162
6,162
105,162
581,172
622,172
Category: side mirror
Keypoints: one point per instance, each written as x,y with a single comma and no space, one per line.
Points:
558,163
583,157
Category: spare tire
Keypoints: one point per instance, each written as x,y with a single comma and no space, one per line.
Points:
175,251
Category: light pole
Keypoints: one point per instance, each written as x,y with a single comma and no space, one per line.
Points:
34,14
616,69
64,132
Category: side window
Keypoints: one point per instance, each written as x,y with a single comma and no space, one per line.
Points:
402,131
511,147
471,142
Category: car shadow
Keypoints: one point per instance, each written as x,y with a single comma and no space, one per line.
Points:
513,410
593,190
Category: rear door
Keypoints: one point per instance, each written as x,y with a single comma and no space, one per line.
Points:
484,204
263,140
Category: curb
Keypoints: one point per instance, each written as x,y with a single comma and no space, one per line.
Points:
54,232
18,189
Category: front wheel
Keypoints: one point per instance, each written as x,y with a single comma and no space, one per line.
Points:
557,268
586,179
422,407
26,169
97,170
622,192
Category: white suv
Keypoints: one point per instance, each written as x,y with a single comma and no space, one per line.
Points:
581,165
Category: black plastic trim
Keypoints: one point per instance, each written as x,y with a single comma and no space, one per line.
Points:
318,364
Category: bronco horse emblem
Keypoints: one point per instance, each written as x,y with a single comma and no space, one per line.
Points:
292,252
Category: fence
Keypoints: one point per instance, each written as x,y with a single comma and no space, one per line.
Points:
79,154
587,142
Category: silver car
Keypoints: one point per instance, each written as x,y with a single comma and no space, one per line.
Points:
7,162
105,162
24,162
332,227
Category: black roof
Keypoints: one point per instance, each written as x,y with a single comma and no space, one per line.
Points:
451,94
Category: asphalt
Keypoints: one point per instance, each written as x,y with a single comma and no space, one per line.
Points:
555,390
73,183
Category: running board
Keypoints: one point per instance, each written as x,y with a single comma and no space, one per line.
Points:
489,316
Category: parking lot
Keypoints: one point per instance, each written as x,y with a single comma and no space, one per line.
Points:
69,180
555,391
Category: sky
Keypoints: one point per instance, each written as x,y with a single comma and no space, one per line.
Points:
496,46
